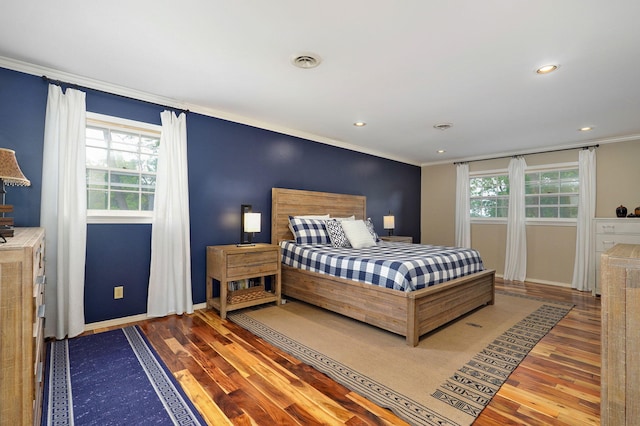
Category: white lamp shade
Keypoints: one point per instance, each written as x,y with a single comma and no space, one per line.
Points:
389,222
252,222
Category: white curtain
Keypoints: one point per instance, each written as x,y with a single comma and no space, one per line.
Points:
515,268
586,212
463,220
63,211
170,274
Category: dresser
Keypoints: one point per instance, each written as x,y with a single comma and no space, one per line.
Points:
607,232
620,372
22,327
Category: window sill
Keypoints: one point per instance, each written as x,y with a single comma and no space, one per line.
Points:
115,218
529,222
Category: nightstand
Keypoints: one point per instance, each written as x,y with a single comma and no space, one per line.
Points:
397,239
237,265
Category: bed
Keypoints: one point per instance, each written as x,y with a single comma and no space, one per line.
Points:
408,313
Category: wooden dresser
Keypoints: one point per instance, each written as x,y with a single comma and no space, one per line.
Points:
22,327
607,232
620,374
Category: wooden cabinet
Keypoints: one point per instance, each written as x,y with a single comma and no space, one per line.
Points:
620,373
397,239
22,327
232,263
607,232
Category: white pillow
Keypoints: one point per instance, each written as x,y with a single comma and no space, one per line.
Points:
357,233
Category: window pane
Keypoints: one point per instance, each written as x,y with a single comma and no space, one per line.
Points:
97,179
96,157
97,200
531,200
122,181
502,212
531,212
148,183
124,200
569,200
148,163
125,141
149,145
569,174
548,212
569,186
124,160
548,200
568,212
147,202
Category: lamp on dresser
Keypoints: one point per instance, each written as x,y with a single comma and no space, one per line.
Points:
10,174
389,222
249,224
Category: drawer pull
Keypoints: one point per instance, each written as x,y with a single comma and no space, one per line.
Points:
41,279
41,311
608,244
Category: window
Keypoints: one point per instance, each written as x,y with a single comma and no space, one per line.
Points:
551,192
122,159
489,196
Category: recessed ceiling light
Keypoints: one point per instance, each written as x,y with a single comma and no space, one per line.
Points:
546,69
441,151
306,60
585,129
443,126
359,124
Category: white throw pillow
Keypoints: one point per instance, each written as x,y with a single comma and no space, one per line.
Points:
340,219
357,233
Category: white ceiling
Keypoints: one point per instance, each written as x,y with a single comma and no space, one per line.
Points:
399,66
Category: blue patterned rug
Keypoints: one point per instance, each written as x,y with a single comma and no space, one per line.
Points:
112,378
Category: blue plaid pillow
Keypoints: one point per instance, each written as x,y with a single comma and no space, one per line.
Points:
309,231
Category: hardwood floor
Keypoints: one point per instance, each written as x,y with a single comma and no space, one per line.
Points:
236,378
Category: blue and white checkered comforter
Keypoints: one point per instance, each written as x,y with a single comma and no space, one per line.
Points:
399,266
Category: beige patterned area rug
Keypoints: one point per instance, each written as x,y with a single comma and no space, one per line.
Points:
446,380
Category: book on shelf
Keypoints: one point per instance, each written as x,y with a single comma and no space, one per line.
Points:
243,284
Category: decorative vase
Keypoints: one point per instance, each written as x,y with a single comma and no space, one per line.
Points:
621,211
637,211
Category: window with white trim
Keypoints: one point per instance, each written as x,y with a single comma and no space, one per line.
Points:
121,164
551,193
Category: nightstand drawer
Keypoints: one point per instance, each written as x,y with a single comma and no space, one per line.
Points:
261,262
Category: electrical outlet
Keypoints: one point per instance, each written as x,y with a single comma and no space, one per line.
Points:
118,292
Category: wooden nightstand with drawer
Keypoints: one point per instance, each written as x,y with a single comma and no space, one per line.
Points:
232,264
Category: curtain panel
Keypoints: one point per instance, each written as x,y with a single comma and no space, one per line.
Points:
586,212
463,219
515,268
170,270
63,211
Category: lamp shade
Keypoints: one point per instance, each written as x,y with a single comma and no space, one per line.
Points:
252,222
10,171
389,222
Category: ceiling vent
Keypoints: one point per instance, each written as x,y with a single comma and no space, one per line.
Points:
443,126
306,60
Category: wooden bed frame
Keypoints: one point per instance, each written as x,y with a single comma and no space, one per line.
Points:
411,314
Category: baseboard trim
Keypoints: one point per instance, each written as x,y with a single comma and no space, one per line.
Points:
538,281
128,320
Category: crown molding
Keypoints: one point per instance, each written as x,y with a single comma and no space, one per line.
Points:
102,86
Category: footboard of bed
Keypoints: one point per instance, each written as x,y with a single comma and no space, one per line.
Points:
410,314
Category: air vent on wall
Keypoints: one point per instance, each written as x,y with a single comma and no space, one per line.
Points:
306,60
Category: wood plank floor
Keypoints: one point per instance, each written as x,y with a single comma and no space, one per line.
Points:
236,378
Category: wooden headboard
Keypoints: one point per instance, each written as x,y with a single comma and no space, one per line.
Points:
293,202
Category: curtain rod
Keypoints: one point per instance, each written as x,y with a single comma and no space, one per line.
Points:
529,153
76,86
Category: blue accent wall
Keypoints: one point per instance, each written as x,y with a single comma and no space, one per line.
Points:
229,164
